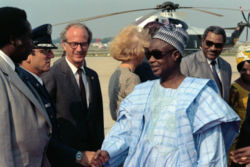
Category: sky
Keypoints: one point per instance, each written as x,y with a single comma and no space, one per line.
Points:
56,11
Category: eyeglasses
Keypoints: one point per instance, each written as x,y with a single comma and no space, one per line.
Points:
217,45
74,45
157,54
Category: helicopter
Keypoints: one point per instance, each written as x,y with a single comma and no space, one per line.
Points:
167,13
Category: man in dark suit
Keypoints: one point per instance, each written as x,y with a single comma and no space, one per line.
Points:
25,127
75,89
30,71
207,62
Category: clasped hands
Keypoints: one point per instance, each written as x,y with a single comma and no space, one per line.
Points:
94,159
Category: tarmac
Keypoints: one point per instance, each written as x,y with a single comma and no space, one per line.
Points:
105,66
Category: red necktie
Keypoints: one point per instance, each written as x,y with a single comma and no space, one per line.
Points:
82,88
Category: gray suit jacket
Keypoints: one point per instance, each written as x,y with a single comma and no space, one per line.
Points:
24,124
196,65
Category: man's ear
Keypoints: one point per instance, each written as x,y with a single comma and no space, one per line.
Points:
176,55
63,45
202,40
29,58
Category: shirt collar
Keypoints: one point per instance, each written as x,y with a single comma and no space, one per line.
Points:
74,68
7,59
34,75
209,61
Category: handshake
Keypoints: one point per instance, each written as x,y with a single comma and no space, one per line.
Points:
94,159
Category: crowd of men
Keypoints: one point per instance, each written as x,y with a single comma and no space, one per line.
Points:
54,116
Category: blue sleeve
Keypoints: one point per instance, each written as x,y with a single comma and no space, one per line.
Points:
209,110
125,133
210,148
214,125
116,142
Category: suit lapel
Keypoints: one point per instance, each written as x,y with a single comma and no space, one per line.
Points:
70,78
203,60
68,74
16,81
91,81
223,73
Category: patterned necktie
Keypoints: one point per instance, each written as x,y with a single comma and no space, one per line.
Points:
216,77
82,88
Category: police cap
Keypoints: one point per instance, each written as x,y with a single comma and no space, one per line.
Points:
41,37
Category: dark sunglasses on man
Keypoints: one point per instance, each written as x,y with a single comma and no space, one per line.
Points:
157,54
216,45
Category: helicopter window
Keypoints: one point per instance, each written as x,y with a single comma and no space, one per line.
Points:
179,23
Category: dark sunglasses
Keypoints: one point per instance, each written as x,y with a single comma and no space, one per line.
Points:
156,53
217,45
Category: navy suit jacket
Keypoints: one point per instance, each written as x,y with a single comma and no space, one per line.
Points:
64,152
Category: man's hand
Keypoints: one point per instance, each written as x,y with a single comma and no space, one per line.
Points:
100,158
87,157
241,156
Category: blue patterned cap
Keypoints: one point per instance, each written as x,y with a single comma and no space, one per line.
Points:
175,36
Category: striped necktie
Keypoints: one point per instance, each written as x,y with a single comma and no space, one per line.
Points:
216,77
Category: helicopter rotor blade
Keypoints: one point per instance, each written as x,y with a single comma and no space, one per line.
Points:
166,6
208,12
230,9
181,14
248,25
229,28
248,17
244,16
104,15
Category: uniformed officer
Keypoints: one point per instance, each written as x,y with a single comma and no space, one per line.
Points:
30,70
37,63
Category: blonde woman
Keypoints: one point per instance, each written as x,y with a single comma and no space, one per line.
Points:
128,47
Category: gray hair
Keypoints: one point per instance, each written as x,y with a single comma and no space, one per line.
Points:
80,25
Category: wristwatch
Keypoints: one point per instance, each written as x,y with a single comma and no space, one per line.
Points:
78,156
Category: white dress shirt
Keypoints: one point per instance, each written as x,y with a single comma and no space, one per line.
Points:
84,78
216,66
7,59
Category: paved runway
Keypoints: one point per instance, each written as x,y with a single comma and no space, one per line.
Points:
105,66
